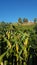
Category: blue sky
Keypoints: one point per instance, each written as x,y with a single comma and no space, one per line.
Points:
11,10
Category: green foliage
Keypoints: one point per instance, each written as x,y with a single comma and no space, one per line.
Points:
35,20
25,20
35,28
19,20
18,44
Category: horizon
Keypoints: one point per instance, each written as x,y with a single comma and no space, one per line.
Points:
11,10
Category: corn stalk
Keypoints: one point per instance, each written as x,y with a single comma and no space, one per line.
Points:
2,56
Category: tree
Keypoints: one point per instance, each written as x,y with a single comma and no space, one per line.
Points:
25,20
35,20
19,20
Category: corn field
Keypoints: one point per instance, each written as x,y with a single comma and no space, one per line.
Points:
17,46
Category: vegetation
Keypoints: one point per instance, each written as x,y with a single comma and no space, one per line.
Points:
18,44
35,20
19,20
25,20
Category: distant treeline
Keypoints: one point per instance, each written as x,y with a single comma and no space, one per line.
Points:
24,20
